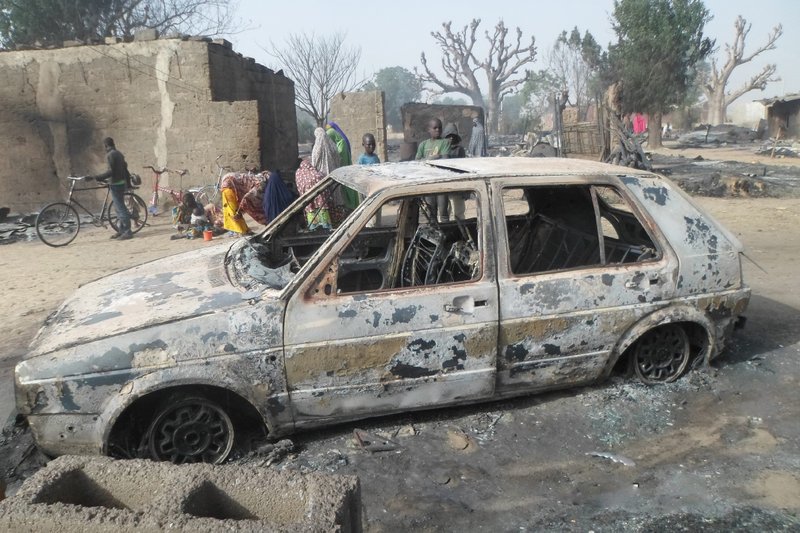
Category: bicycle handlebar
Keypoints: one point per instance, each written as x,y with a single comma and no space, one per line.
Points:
181,172
221,167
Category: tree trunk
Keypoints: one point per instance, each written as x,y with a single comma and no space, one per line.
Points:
716,106
492,115
654,131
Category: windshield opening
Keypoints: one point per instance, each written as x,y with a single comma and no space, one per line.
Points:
271,259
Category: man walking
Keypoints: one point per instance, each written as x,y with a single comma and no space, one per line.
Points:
118,174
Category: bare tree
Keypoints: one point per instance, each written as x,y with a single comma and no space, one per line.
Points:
196,17
321,67
569,61
50,22
714,88
460,65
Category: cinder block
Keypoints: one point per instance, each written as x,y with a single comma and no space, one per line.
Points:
150,34
100,494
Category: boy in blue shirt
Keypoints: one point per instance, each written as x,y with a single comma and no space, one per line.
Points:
368,157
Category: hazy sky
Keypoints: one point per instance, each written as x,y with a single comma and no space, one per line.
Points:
394,33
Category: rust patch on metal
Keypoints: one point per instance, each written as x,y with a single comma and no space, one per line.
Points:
480,344
309,363
532,328
152,357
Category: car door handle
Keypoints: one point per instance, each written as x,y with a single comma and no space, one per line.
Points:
464,304
652,280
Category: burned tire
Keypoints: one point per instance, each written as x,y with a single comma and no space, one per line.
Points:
190,430
662,354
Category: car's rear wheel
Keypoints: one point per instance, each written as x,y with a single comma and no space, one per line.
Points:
190,430
661,355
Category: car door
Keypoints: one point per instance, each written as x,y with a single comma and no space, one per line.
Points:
563,303
362,337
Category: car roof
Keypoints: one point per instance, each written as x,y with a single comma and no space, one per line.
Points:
368,179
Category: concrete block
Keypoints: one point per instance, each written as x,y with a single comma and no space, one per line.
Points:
150,34
223,42
100,494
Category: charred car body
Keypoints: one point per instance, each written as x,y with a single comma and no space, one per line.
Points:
549,273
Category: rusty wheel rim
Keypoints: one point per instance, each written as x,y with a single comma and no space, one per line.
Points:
662,354
193,430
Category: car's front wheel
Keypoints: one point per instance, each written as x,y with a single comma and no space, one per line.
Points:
190,430
661,354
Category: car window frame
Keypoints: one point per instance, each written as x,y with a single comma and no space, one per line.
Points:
358,220
647,222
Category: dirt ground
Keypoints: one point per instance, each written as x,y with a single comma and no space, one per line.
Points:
719,450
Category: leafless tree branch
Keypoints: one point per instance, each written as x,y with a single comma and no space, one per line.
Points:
321,67
460,64
715,85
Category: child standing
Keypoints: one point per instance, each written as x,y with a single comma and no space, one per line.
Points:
368,157
435,147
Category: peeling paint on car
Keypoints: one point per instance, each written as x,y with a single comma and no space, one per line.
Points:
404,315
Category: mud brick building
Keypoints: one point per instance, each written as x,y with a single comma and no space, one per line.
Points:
177,102
783,116
360,113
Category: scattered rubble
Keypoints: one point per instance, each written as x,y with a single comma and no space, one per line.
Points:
780,149
729,178
373,443
621,459
15,227
718,135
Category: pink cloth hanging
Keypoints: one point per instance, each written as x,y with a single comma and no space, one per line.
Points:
639,123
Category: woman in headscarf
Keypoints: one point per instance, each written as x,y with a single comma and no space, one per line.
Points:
335,133
324,155
317,211
277,196
324,159
238,197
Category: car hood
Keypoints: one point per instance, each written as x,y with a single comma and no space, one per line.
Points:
175,288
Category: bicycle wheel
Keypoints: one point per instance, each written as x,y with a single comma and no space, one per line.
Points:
57,224
207,195
137,209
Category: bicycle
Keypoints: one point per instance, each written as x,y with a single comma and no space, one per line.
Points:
59,223
210,194
177,195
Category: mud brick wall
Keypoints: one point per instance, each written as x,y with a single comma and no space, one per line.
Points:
416,117
168,102
360,113
100,494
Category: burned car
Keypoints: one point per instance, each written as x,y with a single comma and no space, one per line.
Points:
453,281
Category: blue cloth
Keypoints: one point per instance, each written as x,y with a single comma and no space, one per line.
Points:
277,196
365,159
